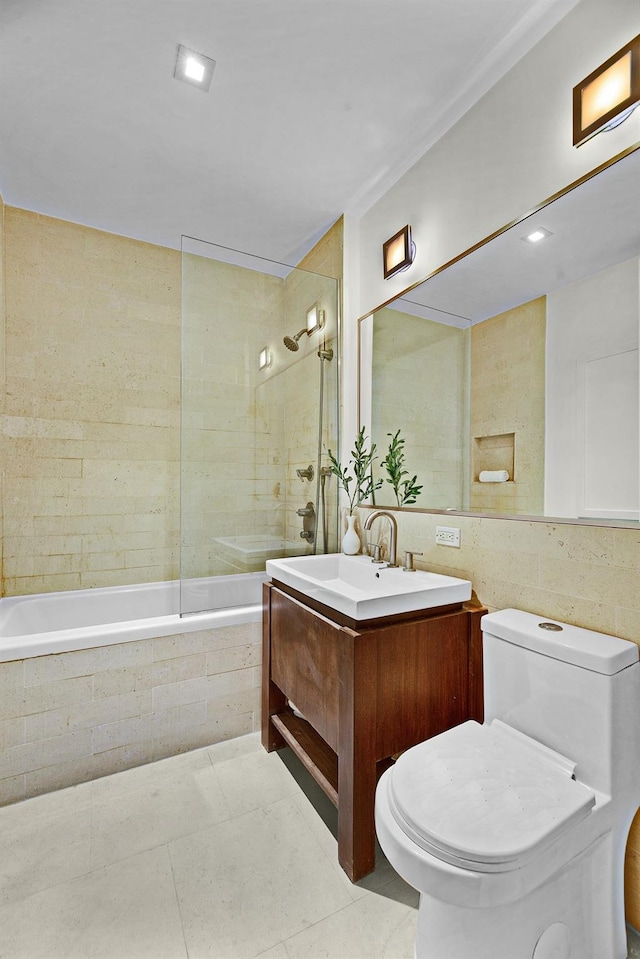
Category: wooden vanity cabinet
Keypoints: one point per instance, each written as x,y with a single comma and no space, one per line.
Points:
367,691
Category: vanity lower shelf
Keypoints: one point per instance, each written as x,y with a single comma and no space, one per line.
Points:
366,694
315,755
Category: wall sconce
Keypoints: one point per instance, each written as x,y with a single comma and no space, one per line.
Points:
315,319
264,359
608,95
398,253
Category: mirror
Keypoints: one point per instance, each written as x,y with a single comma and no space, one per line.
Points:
513,373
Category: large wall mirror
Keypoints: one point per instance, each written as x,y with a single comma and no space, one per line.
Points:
513,373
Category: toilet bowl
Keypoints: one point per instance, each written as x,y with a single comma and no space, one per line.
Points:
513,831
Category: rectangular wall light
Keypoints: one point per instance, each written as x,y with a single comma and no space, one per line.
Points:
398,252
607,96
315,319
264,359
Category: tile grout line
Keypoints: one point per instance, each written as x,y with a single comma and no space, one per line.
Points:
175,891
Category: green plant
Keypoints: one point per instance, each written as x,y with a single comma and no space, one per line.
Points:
356,478
406,490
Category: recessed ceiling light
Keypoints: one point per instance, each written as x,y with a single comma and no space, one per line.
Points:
194,68
536,235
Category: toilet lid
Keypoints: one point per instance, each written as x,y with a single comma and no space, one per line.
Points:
488,797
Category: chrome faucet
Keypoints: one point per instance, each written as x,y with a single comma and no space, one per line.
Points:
393,535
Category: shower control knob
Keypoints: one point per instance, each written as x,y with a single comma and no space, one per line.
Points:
307,510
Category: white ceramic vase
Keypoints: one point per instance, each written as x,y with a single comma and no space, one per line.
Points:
351,540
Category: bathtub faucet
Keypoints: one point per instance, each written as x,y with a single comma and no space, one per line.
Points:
393,534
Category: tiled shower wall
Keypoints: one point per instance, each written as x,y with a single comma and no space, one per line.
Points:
91,437
90,440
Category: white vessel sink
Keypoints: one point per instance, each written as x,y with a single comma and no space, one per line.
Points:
355,586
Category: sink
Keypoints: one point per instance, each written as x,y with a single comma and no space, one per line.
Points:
358,588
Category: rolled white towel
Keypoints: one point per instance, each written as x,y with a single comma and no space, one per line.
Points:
493,476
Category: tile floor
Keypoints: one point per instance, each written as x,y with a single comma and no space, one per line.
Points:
216,853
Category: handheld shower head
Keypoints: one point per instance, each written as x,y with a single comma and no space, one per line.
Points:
291,342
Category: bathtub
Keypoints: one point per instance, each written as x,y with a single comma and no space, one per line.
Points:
48,623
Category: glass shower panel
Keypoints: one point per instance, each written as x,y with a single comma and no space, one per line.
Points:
255,414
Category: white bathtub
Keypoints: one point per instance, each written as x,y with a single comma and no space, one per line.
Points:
48,623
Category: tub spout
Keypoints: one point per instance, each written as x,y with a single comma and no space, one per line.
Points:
393,535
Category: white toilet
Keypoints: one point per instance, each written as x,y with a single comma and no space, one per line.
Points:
514,831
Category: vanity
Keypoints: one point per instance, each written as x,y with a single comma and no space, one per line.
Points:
349,688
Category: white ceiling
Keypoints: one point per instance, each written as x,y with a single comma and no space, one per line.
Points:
593,227
316,107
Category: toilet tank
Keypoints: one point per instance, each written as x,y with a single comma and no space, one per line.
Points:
573,689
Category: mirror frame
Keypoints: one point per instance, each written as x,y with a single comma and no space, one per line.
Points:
567,521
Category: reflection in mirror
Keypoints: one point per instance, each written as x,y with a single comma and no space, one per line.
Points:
513,374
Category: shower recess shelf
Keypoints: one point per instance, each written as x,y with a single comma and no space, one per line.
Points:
366,690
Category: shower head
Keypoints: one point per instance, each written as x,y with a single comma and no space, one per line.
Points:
291,342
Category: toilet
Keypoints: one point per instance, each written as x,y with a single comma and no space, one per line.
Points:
514,830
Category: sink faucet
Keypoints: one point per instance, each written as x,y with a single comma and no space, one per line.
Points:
393,527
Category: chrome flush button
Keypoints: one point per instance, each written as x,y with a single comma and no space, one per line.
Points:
554,627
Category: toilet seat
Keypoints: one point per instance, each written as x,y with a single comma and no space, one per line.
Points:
486,798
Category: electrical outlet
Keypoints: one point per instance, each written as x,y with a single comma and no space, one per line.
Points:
448,536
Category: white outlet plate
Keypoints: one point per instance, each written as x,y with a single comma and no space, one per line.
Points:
448,536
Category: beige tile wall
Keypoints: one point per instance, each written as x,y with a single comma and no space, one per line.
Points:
70,717
90,439
419,381
585,575
507,397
